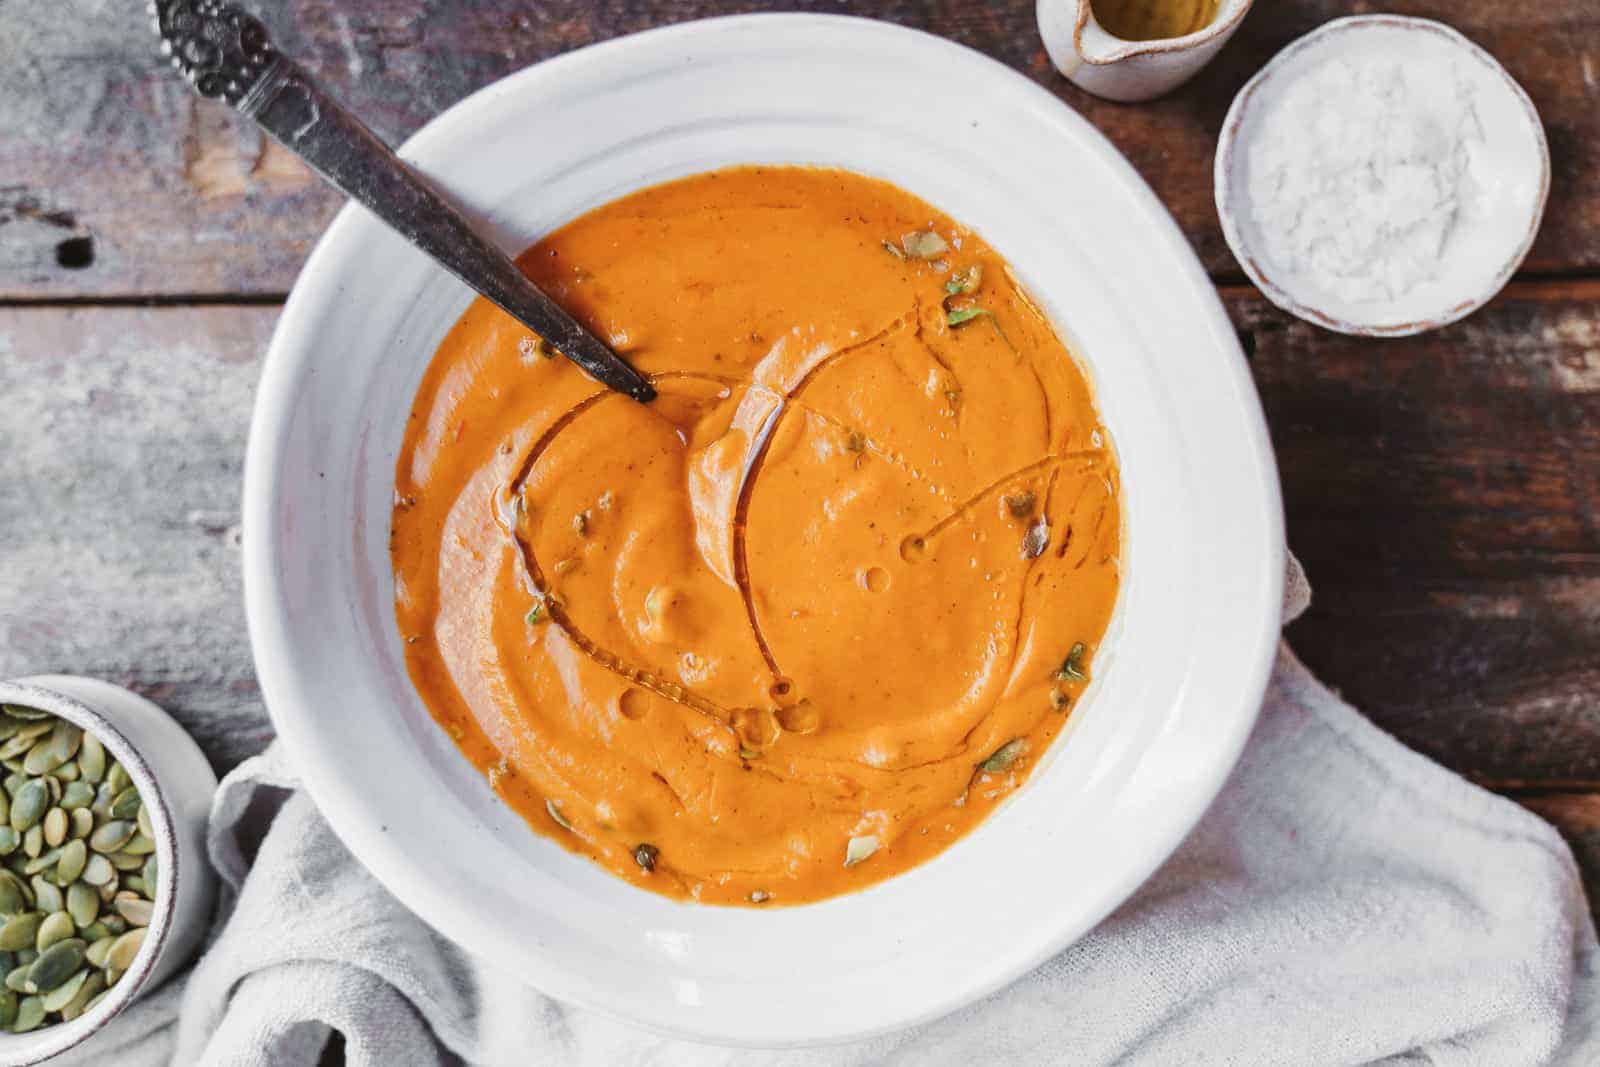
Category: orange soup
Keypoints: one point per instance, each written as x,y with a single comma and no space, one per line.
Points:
807,618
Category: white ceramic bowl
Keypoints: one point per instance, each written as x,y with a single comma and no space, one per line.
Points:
1513,161
1177,687
176,784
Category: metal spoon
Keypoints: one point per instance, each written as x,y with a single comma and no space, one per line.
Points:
226,53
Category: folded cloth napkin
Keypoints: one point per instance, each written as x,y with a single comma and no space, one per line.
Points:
1344,901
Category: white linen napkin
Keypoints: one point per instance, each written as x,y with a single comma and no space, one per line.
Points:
1344,901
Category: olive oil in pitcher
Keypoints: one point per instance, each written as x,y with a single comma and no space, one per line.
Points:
1154,20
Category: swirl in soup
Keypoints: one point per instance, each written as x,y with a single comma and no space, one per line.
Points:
806,619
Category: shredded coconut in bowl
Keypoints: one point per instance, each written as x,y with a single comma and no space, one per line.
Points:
1362,171
1382,175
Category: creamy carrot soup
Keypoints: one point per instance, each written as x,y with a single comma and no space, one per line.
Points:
807,618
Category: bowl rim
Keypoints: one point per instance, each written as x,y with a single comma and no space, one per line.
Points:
268,616
1233,231
35,692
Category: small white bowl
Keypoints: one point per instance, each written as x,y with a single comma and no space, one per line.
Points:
1514,159
176,783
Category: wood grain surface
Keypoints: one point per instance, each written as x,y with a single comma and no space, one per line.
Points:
1454,553
1443,492
116,181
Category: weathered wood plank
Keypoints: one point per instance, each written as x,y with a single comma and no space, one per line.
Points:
115,180
1444,495
120,460
1442,492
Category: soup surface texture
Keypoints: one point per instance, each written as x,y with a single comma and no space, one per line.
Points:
807,618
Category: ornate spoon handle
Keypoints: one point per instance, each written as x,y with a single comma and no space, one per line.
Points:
226,53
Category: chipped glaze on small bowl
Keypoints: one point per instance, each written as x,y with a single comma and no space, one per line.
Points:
1108,66
176,783
1517,158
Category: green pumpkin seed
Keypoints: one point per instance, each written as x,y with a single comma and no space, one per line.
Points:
16,746
98,950
12,899
74,858
123,951
82,823
1004,756
114,975
18,932
149,875
67,772
8,1009
55,827
9,727
126,861
55,787
139,845
10,840
17,978
22,711
95,930
114,924
111,836
46,896
137,884
14,766
65,739
41,862
66,992
30,1013
136,910
126,804
555,813
860,849
95,1000
77,795
1071,669
33,842
5,808
97,871
41,758
91,990
57,926
91,760
83,904
107,891
102,801
117,778
57,964
29,805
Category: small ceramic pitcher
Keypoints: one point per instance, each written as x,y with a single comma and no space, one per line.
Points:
1116,69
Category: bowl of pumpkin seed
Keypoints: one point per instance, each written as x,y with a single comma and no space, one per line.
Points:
105,889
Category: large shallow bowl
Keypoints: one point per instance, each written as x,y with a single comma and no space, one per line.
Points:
1178,684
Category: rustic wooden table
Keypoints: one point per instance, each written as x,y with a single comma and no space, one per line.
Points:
1443,492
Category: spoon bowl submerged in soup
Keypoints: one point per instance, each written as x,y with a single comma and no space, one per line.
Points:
810,616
